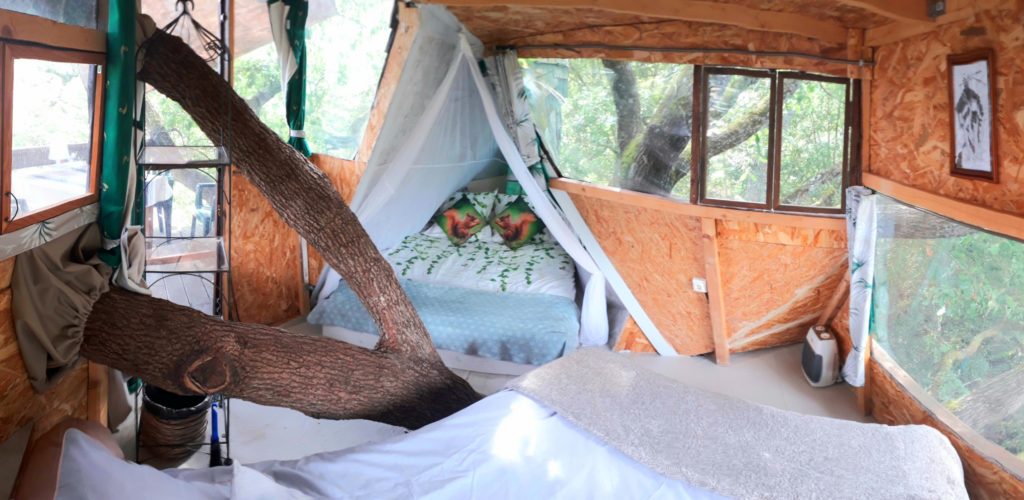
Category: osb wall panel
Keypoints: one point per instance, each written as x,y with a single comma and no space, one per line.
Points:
19,403
836,10
776,281
345,175
264,258
910,138
657,254
892,404
688,35
841,327
632,338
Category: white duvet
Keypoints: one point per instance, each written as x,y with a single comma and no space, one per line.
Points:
482,263
506,446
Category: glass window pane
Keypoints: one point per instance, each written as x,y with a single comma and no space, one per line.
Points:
78,12
181,203
51,133
949,308
736,142
813,136
346,46
615,123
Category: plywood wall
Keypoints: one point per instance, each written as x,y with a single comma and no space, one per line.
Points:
264,258
777,278
910,138
19,403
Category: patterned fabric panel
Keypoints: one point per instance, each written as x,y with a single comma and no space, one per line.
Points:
539,267
518,327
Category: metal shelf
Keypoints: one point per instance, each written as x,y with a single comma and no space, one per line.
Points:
173,157
186,255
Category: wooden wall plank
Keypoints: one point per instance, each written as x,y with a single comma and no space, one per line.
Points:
688,10
716,296
98,393
661,203
969,213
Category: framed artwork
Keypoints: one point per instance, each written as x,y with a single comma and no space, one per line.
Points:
972,115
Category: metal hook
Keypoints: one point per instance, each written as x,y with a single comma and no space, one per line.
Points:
17,206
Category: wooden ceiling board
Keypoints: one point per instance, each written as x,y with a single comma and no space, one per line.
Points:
831,10
498,24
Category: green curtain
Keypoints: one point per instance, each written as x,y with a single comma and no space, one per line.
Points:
120,189
288,26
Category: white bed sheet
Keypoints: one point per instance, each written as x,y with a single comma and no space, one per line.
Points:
506,446
541,266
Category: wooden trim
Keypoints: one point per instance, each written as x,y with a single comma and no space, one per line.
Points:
98,393
35,29
405,35
688,10
968,213
716,295
829,313
901,10
10,53
989,56
664,204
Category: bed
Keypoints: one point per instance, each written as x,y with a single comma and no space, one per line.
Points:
553,435
481,299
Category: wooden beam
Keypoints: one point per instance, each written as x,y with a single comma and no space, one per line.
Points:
900,10
687,10
968,213
716,296
405,34
28,28
956,10
662,203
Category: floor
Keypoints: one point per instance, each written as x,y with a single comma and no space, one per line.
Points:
771,377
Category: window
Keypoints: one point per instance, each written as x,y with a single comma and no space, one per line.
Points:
77,12
54,108
746,138
949,309
616,123
346,45
774,140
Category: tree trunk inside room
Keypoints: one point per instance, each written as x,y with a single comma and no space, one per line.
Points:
402,381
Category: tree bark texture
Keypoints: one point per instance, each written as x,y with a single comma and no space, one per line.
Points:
401,382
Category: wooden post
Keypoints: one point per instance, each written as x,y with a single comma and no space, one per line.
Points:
716,298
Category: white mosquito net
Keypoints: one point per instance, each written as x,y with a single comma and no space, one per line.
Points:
458,138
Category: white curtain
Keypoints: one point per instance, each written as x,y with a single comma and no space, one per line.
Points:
861,230
459,137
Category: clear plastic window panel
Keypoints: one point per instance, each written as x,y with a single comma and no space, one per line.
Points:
949,309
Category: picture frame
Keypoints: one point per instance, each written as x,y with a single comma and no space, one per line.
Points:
972,108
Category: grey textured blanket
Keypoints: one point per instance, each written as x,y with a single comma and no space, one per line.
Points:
737,448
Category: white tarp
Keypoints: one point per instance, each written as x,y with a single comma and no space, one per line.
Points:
457,138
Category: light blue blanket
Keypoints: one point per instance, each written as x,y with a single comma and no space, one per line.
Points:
526,328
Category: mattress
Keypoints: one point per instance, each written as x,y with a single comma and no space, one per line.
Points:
482,264
527,328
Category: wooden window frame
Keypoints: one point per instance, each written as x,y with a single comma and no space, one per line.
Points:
773,177
12,51
699,154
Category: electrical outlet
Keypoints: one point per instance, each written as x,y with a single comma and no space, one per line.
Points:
700,285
